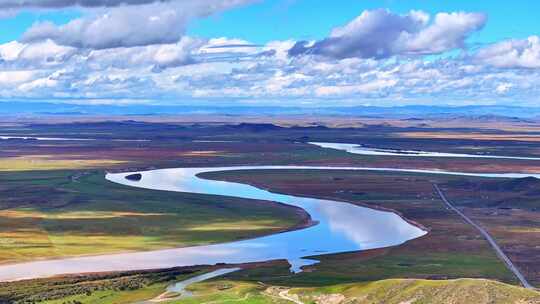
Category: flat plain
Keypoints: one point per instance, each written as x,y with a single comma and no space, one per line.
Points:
56,203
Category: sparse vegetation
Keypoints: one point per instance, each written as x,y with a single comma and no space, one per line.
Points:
94,288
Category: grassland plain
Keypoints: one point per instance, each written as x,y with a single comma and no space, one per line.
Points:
392,291
142,286
58,199
509,210
138,144
451,249
47,214
48,162
120,288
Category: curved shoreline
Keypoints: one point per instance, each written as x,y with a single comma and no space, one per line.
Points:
305,222
368,151
355,203
338,227
335,226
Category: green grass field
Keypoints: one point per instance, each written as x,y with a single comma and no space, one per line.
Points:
141,286
450,250
46,214
393,291
125,287
401,291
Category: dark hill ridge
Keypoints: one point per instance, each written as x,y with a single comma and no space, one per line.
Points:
259,127
256,127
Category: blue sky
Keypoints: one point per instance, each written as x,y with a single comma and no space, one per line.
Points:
247,51
14,26
313,19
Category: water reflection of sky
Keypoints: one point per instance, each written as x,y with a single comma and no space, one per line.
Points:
359,149
341,227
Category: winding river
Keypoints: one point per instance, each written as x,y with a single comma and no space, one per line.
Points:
341,227
362,150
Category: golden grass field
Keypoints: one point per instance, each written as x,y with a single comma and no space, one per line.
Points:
49,162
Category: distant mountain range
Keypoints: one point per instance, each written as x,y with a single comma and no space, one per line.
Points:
415,111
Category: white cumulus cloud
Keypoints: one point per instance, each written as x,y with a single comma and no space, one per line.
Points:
382,34
128,26
515,53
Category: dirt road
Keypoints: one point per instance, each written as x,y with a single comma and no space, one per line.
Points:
490,239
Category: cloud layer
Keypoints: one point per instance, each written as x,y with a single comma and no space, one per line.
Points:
512,53
381,34
128,26
377,58
17,4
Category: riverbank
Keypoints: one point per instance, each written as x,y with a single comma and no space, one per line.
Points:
50,214
449,250
381,229
142,286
